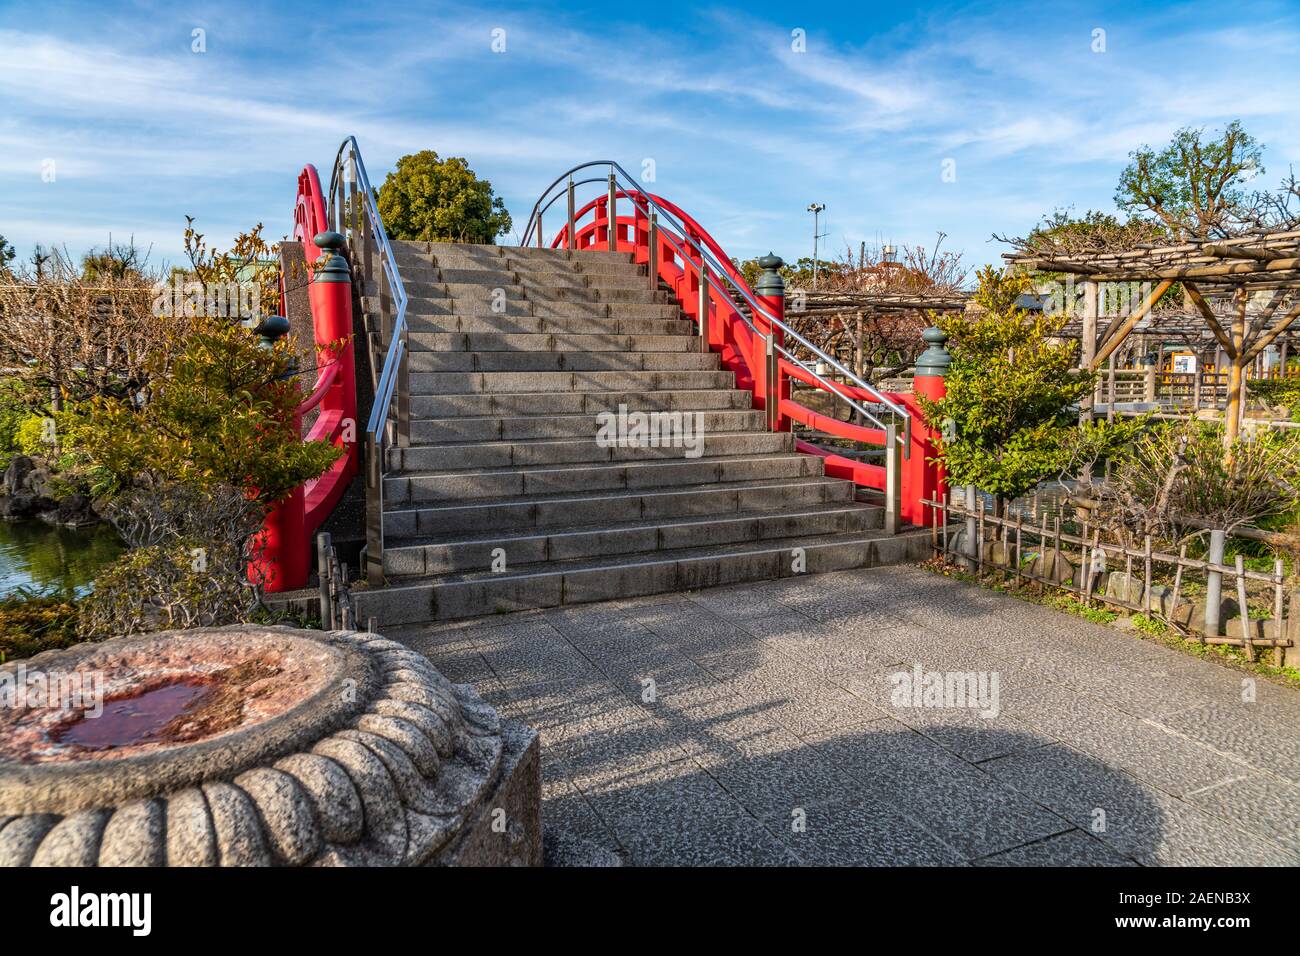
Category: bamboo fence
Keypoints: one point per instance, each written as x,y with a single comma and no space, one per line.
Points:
337,612
1017,539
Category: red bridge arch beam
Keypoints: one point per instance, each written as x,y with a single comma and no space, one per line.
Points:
282,554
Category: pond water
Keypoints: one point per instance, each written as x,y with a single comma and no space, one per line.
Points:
43,558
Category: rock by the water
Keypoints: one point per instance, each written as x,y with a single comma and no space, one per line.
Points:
15,476
25,506
40,482
75,511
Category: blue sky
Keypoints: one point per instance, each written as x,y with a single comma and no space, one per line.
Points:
744,132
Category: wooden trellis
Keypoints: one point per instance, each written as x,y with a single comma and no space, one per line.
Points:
1267,261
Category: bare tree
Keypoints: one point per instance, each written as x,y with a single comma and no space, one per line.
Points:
71,334
870,339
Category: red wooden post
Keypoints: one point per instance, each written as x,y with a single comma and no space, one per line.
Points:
921,477
600,235
282,551
330,294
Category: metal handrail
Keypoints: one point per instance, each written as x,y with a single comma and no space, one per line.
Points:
558,196
389,383
378,421
645,201
790,356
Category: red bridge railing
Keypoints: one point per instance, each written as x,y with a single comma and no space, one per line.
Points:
283,559
757,346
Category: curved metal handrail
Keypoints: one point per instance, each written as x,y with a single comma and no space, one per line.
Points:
377,424
366,226
720,267
558,196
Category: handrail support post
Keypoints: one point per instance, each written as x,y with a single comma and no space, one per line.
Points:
893,479
404,392
611,215
702,305
571,237
374,513
653,259
771,382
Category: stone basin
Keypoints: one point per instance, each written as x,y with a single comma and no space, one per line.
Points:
258,746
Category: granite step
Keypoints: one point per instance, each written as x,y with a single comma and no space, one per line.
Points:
492,383
519,550
445,487
552,342
578,403
540,453
612,506
490,428
581,580
569,360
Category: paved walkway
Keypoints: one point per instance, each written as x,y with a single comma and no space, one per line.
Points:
756,725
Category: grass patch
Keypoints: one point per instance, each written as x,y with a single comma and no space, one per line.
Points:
1072,605
31,623
1149,625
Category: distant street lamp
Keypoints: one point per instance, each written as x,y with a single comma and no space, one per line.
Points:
816,209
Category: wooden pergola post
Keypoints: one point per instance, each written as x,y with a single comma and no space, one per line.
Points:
1236,373
1116,338
1089,350
1260,261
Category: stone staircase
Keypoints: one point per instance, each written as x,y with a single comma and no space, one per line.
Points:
505,500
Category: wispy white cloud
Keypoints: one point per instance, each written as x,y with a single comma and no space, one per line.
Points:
744,131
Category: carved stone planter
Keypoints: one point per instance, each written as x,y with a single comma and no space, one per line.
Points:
252,746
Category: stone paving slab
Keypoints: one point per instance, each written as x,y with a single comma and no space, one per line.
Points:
677,815
864,832
965,807
1074,848
1264,805
1136,820
1248,731
1174,763
757,725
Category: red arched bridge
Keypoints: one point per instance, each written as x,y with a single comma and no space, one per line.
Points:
603,411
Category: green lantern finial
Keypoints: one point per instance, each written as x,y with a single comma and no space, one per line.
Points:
935,360
770,282
333,265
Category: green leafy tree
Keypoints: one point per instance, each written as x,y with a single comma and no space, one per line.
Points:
1007,424
221,415
1064,232
7,255
432,199
798,275
1196,185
